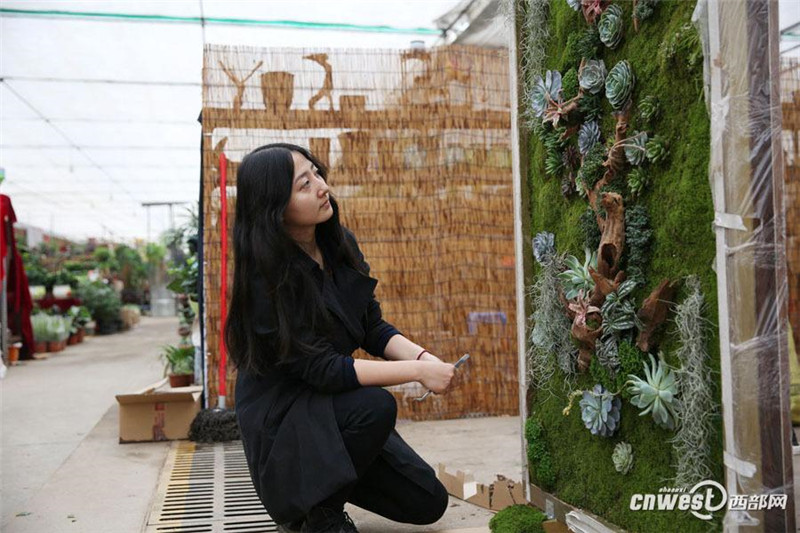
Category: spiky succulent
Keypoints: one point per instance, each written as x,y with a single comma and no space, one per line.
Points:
600,411
576,277
544,247
545,90
622,457
619,84
610,26
591,106
649,108
657,149
588,136
637,181
635,150
592,75
656,394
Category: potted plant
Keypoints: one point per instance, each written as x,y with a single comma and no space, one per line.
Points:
179,365
80,317
59,332
104,305
41,332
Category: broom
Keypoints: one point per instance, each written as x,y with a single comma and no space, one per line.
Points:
219,424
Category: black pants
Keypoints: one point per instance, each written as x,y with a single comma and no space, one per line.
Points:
366,417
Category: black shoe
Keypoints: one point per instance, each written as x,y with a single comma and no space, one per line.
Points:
322,520
291,527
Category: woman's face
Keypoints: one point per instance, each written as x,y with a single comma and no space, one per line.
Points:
309,204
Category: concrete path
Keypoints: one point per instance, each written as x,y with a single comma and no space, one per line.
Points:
63,469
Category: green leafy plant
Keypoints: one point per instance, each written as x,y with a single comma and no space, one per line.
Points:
619,84
610,26
649,109
102,302
692,441
638,236
179,360
637,181
629,361
622,457
591,106
635,150
576,277
600,411
539,459
592,76
656,393
588,136
184,278
657,149
682,47
619,313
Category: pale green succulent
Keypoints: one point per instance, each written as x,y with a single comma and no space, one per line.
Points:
610,26
637,181
592,75
656,394
619,84
544,247
657,149
574,4
577,278
649,108
588,136
600,411
544,91
622,457
635,148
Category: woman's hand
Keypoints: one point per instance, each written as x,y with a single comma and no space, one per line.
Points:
428,356
437,376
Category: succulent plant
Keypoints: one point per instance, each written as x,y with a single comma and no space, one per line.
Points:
657,149
637,181
571,157
588,136
656,393
576,278
545,90
591,106
649,109
569,84
568,185
635,150
644,9
544,247
610,26
574,4
622,457
553,164
592,75
600,411
619,84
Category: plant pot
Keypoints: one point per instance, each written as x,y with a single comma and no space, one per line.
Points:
72,340
81,334
13,354
277,90
54,346
180,380
40,347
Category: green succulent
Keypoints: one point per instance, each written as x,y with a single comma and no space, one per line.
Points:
588,136
656,394
577,278
644,9
635,150
649,109
569,84
591,106
544,91
610,26
622,457
553,164
592,76
637,181
600,411
619,84
657,149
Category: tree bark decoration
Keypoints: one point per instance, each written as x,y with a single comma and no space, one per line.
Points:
654,312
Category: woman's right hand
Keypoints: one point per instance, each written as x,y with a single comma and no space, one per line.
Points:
437,376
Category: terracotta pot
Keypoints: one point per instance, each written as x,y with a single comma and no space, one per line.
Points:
54,346
13,354
40,347
72,340
277,90
81,334
180,380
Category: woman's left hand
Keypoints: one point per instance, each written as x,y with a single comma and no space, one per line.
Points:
454,383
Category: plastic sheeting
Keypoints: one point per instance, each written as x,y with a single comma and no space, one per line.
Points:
746,174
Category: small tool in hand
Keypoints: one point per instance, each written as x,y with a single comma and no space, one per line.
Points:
464,359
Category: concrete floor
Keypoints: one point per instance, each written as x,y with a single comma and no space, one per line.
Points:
63,469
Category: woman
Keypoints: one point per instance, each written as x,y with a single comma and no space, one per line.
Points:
317,428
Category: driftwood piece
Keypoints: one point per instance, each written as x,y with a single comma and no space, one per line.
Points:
615,159
583,332
604,286
612,242
593,8
654,312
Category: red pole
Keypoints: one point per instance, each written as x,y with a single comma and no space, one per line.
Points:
223,300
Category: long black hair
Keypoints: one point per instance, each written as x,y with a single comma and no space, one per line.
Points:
268,274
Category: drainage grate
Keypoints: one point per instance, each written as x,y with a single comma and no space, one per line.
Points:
206,488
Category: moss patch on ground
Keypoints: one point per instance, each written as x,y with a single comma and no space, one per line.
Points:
679,204
518,519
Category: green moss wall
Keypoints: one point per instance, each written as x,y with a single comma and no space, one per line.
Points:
680,207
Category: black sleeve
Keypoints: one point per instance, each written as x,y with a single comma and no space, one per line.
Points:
326,371
378,331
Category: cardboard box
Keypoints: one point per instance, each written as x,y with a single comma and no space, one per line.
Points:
158,412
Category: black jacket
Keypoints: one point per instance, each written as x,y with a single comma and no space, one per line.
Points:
293,445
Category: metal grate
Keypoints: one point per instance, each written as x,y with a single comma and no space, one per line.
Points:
206,488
